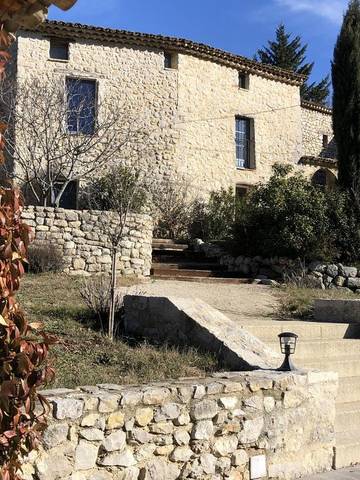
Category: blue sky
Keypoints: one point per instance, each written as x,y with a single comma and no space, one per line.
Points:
239,26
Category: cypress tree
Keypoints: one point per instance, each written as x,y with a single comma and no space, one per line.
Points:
290,53
346,101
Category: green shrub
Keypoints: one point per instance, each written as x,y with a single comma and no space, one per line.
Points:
214,220
287,216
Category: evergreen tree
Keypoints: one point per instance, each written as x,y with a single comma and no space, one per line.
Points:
288,53
346,101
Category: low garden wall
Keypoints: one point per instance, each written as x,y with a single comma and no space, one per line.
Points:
79,236
316,274
237,426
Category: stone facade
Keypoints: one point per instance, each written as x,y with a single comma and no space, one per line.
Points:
191,107
315,126
79,236
206,429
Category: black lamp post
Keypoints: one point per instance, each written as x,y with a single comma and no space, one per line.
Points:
288,346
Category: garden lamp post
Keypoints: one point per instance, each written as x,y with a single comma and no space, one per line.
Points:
288,342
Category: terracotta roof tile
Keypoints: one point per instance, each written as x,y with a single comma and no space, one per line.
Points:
122,37
319,161
317,107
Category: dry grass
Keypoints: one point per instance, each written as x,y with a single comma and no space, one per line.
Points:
297,302
84,356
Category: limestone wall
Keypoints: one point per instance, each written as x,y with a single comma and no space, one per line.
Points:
79,236
207,429
209,101
191,109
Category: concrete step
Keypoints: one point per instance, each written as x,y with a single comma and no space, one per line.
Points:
318,349
348,417
186,266
160,272
170,247
168,241
268,331
220,280
344,366
347,451
349,391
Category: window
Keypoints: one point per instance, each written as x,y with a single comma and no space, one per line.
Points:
320,179
325,141
59,49
241,191
244,139
244,81
81,101
69,198
170,60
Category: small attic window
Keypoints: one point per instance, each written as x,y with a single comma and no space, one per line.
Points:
244,81
59,49
170,60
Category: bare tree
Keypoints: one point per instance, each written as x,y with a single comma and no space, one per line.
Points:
61,132
173,201
122,191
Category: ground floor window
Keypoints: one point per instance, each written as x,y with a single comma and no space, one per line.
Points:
324,178
241,191
69,198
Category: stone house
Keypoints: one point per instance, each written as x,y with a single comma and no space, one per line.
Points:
220,120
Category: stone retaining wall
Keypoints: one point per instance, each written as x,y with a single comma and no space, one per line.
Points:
317,274
79,236
228,426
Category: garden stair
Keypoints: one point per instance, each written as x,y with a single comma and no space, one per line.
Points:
174,260
328,347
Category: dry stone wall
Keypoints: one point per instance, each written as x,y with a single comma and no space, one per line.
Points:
79,236
205,429
316,274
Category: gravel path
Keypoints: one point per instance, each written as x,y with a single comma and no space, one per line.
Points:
239,302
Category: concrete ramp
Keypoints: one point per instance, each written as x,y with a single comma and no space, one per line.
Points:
187,321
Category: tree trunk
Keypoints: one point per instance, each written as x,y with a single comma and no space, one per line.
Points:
112,295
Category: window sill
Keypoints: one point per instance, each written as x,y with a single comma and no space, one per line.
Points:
246,169
170,69
57,60
241,89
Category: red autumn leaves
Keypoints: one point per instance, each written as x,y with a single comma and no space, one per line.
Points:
24,346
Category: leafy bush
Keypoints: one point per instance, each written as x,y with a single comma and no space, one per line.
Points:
96,294
45,258
214,219
287,216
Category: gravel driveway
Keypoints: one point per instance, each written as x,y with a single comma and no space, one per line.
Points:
239,302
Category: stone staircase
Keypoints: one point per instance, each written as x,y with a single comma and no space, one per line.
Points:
174,260
328,347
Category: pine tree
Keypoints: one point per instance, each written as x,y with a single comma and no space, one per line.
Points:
289,53
346,101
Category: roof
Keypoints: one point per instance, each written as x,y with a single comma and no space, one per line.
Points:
319,161
316,107
74,31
